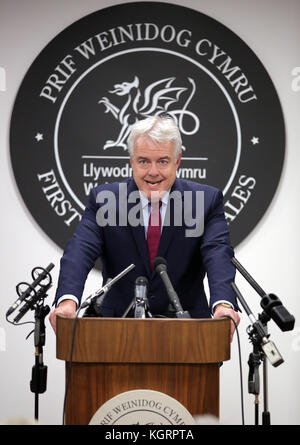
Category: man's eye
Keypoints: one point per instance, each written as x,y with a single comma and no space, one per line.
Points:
163,161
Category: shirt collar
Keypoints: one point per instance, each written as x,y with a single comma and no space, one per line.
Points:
145,201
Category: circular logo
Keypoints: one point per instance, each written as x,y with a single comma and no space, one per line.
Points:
142,407
75,107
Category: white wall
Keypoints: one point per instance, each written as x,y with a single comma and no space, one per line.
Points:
270,253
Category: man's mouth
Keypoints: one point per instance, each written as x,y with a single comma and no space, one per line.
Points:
153,183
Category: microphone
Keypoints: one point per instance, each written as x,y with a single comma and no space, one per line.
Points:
270,303
160,266
94,307
38,296
140,296
106,288
30,288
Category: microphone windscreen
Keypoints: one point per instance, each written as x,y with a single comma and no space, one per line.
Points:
159,261
140,281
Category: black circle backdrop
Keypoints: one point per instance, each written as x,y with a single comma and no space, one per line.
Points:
74,109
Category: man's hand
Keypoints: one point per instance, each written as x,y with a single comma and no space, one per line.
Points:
220,311
67,308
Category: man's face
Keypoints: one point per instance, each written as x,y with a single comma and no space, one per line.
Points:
154,166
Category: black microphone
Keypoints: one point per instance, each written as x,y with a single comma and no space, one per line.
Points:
140,296
31,287
160,266
38,296
94,306
270,303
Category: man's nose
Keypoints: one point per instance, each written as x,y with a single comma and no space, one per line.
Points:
154,171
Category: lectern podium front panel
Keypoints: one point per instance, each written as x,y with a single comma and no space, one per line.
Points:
178,357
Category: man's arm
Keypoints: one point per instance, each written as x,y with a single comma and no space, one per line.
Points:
78,259
217,253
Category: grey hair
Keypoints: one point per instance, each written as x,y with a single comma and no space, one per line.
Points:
160,129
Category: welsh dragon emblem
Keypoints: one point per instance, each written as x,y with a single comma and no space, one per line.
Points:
159,97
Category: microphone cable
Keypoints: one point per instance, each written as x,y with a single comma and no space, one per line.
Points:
240,365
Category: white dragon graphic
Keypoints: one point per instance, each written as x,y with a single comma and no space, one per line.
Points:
157,98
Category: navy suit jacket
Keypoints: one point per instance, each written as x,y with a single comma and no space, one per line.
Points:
188,258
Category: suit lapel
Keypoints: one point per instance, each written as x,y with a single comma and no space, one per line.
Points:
174,215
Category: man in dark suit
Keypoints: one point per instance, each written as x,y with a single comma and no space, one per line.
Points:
118,227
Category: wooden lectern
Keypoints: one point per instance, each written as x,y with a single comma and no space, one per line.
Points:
178,357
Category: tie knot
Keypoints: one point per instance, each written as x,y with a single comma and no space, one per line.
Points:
155,204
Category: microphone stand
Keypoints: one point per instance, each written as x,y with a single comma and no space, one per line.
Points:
255,359
35,301
262,348
38,383
140,303
272,309
140,307
266,417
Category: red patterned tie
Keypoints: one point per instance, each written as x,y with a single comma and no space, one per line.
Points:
154,231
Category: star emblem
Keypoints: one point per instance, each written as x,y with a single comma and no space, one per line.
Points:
39,137
255,140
